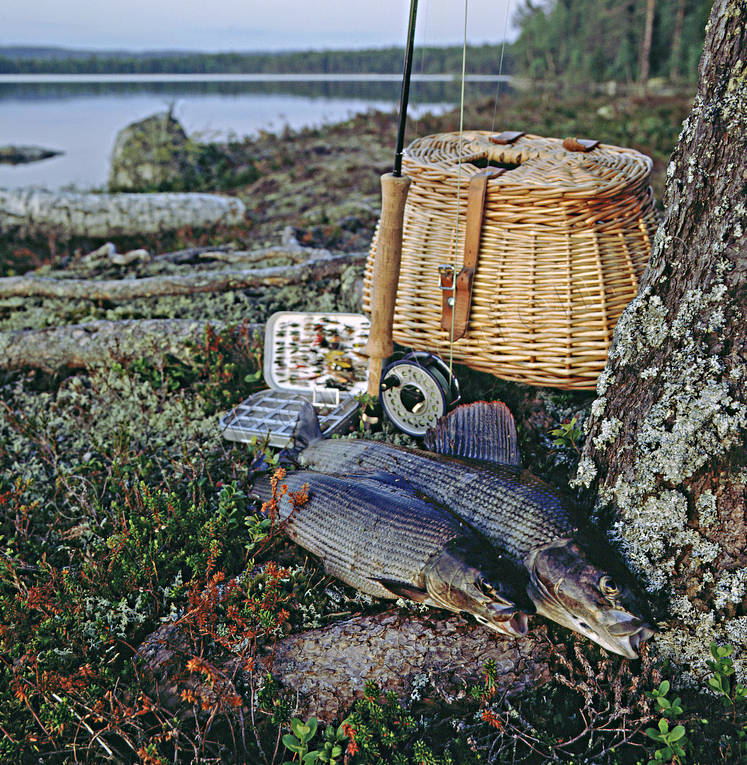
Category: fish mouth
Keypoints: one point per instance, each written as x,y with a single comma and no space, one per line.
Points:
621,637
517,625
615,630
628,637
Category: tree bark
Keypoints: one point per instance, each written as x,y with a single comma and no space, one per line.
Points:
330,666
97,342
30,212
665,446
117,290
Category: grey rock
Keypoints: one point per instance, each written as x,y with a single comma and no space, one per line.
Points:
18,155
151,154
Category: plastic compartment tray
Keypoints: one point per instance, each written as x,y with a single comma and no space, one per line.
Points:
309,357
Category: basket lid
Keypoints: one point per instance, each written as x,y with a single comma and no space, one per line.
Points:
539,166
317,353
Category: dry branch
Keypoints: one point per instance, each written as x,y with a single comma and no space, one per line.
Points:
116,290
81,345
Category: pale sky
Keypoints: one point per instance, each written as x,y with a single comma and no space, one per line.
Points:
241,25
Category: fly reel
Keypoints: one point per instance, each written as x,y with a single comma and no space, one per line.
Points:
416,390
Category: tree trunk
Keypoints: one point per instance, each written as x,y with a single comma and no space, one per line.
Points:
644,60
665,444
679,21
31,212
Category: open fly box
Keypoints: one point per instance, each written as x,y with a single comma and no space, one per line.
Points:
309,357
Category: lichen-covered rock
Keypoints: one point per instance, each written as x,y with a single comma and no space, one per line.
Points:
151,154
155,154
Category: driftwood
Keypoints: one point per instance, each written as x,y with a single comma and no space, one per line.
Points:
116,290
32,212
96,342
329,667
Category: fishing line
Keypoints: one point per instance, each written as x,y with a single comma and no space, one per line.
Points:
500,65
459,189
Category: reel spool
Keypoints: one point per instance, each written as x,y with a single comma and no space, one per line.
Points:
416,390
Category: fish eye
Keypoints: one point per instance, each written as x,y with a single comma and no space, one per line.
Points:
607,586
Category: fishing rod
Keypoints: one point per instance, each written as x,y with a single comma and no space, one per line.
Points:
394,188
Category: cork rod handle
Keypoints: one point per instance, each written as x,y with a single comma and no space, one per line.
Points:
386,275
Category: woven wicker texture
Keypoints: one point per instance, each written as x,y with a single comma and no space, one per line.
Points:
564,241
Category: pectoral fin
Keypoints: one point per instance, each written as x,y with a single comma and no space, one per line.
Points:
404,590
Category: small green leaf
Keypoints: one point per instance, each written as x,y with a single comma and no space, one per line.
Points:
677,733
312,724
311,758
301,729
336,751
653,733
664,687
663,725
292,743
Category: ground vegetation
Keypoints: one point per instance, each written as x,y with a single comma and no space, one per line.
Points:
123,512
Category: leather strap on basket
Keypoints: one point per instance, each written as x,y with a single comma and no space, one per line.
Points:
461,303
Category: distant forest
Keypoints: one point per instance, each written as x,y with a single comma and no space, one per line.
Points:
575,40
599,40
483,59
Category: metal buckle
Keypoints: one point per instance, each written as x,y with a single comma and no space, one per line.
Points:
446,272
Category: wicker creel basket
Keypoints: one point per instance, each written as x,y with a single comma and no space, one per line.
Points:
520,258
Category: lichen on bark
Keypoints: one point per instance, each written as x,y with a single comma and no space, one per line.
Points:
673,482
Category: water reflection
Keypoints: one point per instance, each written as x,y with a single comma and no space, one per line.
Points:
83,118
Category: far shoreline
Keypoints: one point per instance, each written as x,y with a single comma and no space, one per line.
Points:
257,77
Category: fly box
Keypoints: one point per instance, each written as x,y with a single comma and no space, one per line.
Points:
308,357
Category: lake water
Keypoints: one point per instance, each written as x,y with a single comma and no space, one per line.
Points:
82,114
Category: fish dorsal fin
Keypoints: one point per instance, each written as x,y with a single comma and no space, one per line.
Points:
484,431
404,590
307,429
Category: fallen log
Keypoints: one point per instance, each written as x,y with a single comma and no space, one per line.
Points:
97,342
116,290
329,667
33,212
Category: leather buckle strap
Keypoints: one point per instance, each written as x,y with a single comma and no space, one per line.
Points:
457,292
446,284
507,137
580,144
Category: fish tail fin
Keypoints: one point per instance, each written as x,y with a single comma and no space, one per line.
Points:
307,428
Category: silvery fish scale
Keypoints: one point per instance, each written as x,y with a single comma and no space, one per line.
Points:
365,530
513,508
